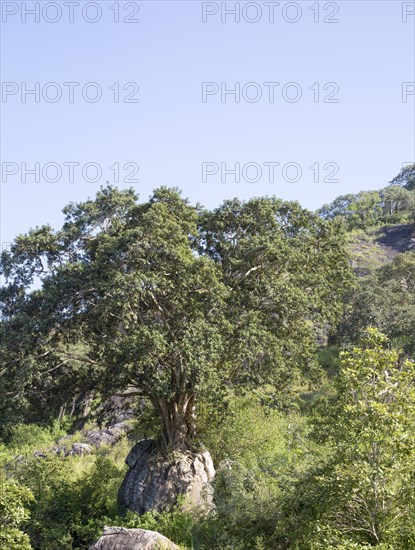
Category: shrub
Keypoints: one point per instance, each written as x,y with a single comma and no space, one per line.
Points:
14,499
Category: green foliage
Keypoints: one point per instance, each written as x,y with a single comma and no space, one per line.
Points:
364,493
385,299
264,450
357,211
247,427
398,204
329,359
14,500
406,177
70,506
393,204
275,489
261,453
168,300
32,436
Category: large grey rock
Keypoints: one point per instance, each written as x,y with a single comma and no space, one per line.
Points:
154,481
118,538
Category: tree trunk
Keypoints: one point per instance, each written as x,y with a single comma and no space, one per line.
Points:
178,420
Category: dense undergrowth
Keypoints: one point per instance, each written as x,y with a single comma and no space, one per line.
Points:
261,453
284,479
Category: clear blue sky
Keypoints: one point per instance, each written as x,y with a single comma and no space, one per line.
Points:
171,132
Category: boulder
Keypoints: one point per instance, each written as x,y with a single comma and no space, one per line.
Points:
118,538
154,481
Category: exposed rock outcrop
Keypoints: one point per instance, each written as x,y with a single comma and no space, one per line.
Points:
75,449
118,538
396,239
155,481
91,439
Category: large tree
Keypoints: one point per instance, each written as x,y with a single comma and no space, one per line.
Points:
166,301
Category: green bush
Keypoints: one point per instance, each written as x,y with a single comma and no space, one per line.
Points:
14,499
24,437
69,511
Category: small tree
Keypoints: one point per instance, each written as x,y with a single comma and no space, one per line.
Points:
369,481
14,499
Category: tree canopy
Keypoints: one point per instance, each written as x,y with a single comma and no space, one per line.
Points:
167,301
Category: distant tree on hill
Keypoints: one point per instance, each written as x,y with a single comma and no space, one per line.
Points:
406,177
397,201
386,300
358,211
393,204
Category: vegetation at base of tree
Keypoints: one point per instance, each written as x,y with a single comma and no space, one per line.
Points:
284,481
248,323
75,497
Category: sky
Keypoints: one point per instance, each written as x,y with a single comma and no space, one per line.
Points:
139,93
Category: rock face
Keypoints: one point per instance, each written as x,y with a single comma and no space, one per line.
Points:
118,538
154,482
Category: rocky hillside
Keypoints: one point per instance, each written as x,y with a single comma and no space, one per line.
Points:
374,247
